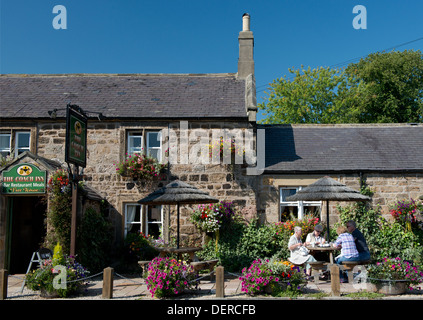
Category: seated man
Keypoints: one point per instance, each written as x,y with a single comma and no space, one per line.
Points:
360,242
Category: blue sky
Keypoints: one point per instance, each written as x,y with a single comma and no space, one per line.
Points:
186,36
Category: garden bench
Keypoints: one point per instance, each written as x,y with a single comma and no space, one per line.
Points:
349,266
204,265
316,268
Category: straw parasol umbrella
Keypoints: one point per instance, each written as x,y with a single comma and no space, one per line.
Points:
327,189
177,193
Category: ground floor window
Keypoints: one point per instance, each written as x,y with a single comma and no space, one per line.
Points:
291,210
146,219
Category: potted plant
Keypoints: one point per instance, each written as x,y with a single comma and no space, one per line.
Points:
393,275
290,277
257,277
46,277
167,277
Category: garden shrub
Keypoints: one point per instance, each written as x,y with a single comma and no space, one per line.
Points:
94,240
60,210
385,238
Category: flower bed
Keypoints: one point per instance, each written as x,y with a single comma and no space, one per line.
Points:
167,277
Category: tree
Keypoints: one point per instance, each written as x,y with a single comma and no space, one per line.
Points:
383,87
394,86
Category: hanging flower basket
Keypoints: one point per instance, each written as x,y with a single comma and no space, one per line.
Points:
141,169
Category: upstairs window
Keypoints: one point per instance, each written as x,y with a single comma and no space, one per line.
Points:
22,142
135,143
5,142
148,143
14,143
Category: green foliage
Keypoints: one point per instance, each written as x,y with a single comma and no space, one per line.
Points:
94,240
139,247
394,82
320,95
60,210
383,87
384,238
58,257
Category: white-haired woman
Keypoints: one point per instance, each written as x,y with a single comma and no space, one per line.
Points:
299,253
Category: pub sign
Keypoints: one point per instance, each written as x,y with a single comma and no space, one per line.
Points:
23,178
76,136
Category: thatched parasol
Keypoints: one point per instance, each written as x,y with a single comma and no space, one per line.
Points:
326,189
176,193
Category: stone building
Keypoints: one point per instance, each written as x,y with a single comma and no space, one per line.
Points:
175,117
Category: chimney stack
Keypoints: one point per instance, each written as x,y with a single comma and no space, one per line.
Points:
246,49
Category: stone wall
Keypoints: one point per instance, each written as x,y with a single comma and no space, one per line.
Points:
106,147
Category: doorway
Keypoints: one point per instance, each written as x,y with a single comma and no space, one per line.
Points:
26,230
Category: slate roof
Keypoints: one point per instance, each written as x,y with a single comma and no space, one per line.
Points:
124,96
343,148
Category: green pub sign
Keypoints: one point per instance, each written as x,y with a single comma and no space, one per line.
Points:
76,136
23,178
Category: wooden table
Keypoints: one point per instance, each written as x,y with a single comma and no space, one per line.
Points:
329,249
179,251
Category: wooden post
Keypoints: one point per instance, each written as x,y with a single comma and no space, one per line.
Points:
107,283
334,280
74,214
220,282
3,284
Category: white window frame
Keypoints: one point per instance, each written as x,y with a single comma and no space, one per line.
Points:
127,223
143,218
6,149
130,137
22,149
159,136
148,223
300,204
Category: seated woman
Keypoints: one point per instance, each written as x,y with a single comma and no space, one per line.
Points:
299,253
346,243
316,238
